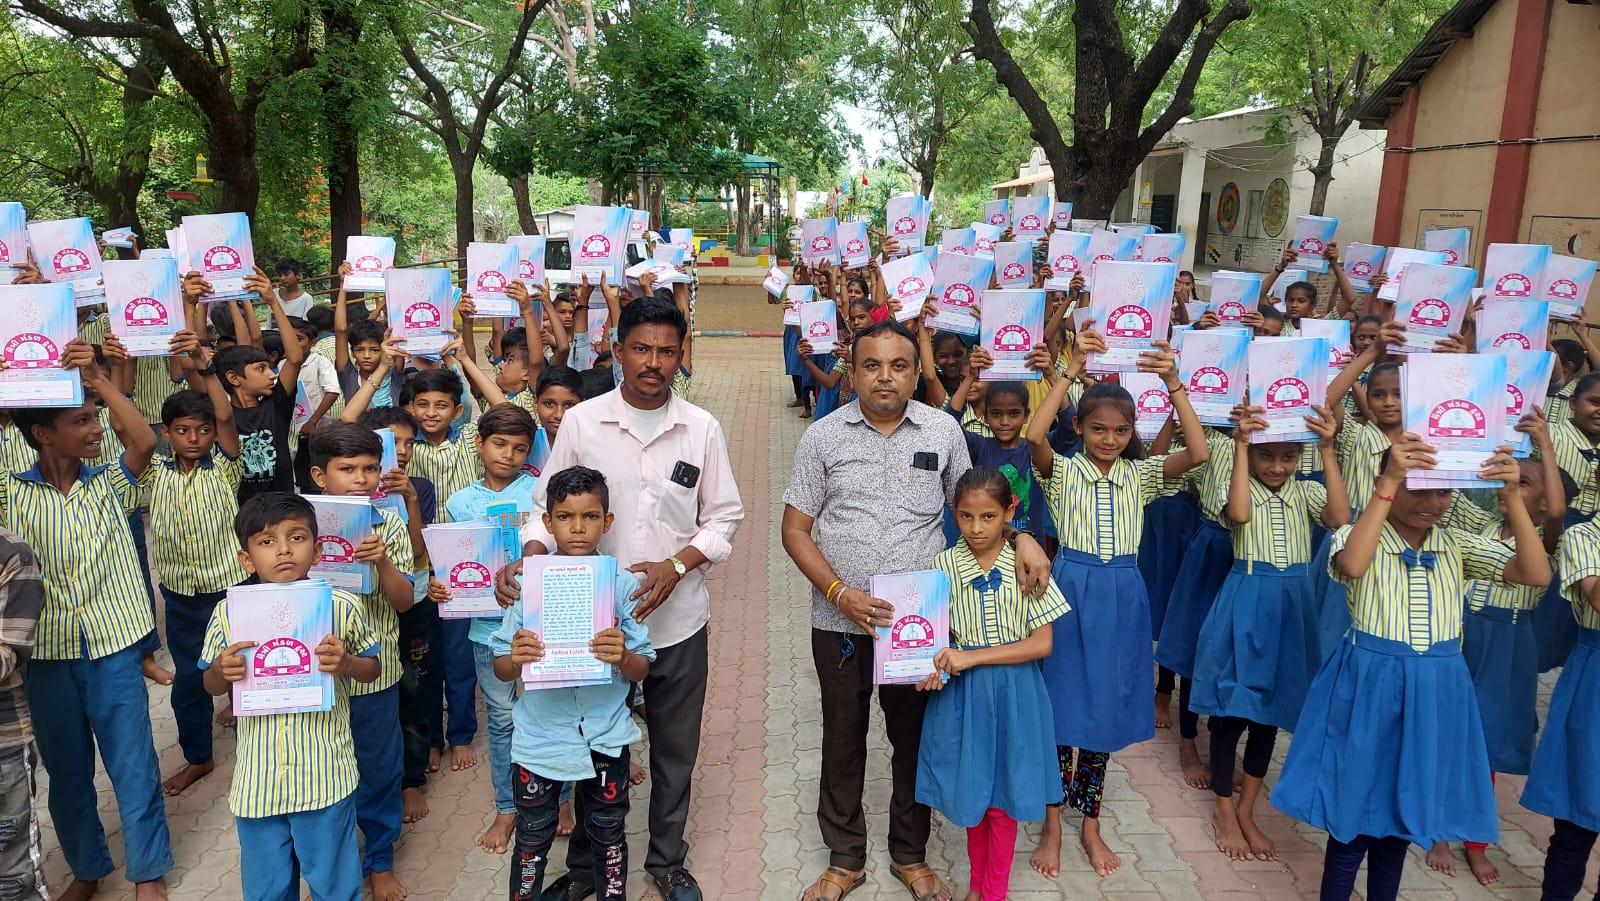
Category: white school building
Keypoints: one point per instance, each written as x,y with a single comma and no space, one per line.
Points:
1233,188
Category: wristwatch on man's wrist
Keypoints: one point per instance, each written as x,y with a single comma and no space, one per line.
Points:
678,567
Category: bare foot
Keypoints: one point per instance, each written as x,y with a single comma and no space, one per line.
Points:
564,819
1440,858
1485,872
225,717
1230,840
1101,857
636,774
189,775
79,890
462,757
1163,710
498,836
1195,773
1261,847
385,887
433,759
1046,860
413,805
155,673
154,890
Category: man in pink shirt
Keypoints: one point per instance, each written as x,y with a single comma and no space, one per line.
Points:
676,507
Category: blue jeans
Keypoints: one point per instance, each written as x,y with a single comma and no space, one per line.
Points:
152,642
375,725
317,844
460,681
498,697
80,704
192,706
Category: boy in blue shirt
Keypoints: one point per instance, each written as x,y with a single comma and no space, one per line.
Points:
346,460
575,734
295,775
503,437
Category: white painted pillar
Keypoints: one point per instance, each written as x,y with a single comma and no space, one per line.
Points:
1191,182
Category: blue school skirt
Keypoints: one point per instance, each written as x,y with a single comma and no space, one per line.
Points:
827,400
1200,577
1099,671
791,351
1332,605
1554,628
1170,522
1565,782
1390,744
1257,650
1502,658
988,741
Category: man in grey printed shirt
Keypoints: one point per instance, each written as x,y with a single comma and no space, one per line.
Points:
867,497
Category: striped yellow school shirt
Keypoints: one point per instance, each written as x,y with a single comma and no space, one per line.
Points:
451,465
1418,604
379,612
1106,511
191,522
1361,450
1279,530
325,347
1578,558
1211,477
1576,455
294,762
1558,406
95,595
110,446
986,611
152,385
1505,595
15,454
93,331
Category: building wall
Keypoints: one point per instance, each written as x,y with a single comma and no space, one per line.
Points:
1461,99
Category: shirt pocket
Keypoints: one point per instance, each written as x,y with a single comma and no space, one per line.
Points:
680,507
924,491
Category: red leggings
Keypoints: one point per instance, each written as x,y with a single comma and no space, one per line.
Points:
990,846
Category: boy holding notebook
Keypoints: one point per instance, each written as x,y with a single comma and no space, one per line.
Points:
577,734
295,774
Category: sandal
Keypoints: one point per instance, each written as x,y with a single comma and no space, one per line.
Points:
843,880
912,873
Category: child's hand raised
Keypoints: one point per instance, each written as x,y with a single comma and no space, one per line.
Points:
345,268
117,352
1089,340
371,550
183,343
1039,358
526,648
438,592
195,286
1208,319
1377,282
1453,343
1534,425
1247,419
332,657
1409,453
1503,468
1323,424
230,663
608,646
258,282
1390,334
397,481
979,360
804,347
28,274
1075,286
467,308
1161,362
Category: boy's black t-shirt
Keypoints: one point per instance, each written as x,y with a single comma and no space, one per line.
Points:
264,444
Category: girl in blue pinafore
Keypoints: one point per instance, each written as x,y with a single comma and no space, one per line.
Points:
1577,449
1565,782
1497,636
988,753
1100,670
1257,649
1389,748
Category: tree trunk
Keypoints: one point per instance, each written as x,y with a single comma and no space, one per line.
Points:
122,199
465,222
1322,173
234,169
341,133
741,216
519,192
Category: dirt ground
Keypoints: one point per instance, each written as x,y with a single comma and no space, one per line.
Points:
736,307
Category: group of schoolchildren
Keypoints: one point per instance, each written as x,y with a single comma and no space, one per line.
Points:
85,488
1398,633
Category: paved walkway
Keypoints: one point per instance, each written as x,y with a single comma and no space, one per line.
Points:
752,824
